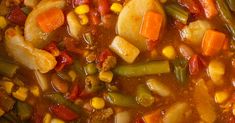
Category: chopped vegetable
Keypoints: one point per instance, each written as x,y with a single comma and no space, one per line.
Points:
41,80
212,42
21,94
120,100
35,90
209,7
7,86
186,51
195,64
74,92
181,71
82,9
74,25
3,22
122,117
169,52
144,96
6,102
55,120
124,49
191,5
63,60
221,96
231,4
47,118
53,49
50,20
83,19
151,25
116,7
31,3
72,74
97,103
90,69
106,76
8,69
92,84
17,16
58,84
94,17
158,87
216,70
103,7
152,117
148,68
24,110
177,13
64,76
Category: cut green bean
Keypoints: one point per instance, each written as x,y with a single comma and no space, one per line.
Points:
24,110
7,69
231,4
59,99
181,71
149,68
144,96
121,100
177,13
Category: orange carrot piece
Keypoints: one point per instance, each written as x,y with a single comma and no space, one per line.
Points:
50,20
153,117
151,25
209,8
212,42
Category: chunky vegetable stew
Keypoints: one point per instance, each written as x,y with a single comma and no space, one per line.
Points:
117,61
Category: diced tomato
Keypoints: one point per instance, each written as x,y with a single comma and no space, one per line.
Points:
151,44
103,55
63,112
62,60
103,7
192,5
17,16
52,48
94,17
75,92
70,46
79,2
196,64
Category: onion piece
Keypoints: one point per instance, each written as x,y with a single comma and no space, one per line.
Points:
123,117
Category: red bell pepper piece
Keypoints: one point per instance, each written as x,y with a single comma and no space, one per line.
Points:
103,56
75,92
196,64
63,112
17,16
103,7
94,17
62,60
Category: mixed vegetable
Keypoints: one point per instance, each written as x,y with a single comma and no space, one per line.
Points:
117,61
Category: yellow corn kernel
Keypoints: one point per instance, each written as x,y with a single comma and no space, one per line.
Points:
83,19
47,118
2,112
106,76
35,90
82,9
169,52
3,22
21,94
72,74
221,96
116,7
97,103
7,86
55,120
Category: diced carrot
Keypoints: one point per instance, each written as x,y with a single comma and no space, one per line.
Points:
153,117
151,25
209,8
212,42
50,20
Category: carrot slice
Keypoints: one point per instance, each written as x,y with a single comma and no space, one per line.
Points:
209,8
50,20
151,25
213,42
153,117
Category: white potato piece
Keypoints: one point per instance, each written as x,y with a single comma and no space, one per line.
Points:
74,25
130,20
124,49
24,53
216,70
32,32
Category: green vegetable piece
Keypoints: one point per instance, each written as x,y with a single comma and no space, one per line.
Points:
121,100
64,76
149,68
144,96
7,69
181,70
78,68
6,102
90,69
24,110
177,13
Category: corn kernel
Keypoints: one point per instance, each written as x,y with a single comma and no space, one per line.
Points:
72,74
21,94
35,91
7,86
82,9
1,112
55,120
97,103
47,118
83,19
3,22
116,7
221,96
106,76
169,52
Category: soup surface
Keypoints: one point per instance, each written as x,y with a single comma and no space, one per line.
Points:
117,61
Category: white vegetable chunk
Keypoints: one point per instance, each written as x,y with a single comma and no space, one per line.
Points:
158,87
216,70
124,49
32,32
130,20
74,25
24,53
123,117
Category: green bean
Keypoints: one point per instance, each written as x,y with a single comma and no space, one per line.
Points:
180,70
177,13
149,68
78,68
231,4
7,69
121,99
226,16
24,110
144,96
90,69
59,99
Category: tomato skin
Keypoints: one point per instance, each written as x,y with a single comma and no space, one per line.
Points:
62,60
94,17
103,7
192,5
17,16
63,112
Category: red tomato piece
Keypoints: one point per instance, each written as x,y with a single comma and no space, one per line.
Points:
62,60
17,16
103,7
196,63
103,55
75,92
192,5
52,48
